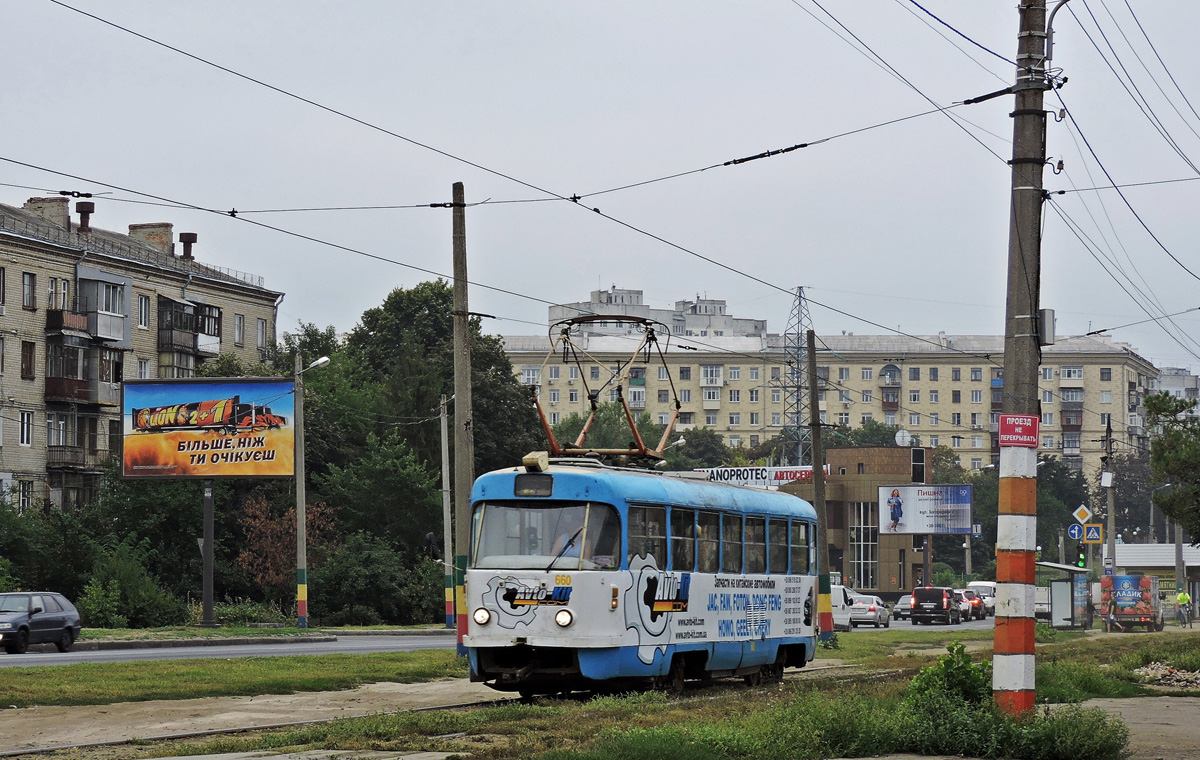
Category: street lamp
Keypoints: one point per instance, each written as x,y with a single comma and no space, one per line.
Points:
301,538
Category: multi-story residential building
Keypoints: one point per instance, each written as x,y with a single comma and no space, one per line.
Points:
945,390
81,309
1180,383
703,317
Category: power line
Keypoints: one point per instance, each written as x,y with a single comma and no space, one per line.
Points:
987,50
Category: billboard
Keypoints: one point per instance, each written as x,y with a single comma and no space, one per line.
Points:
208,428
765,477
925,509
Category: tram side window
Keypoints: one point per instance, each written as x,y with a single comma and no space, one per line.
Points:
709,555
683,540
777,533
799,547
731,543
756,545
648,534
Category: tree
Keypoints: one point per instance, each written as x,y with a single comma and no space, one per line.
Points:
609,429
871,433
269,550
1175,458
367,582
702,447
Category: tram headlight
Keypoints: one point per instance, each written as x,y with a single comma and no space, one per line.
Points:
482,616
564,618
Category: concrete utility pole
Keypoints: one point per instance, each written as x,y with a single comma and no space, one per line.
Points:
824,602
301,534
1111,521
1016,540
447,522
206,592
464,434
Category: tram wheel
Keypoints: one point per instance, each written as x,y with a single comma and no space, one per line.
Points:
675,677
755,678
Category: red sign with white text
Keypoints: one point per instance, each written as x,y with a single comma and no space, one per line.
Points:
1019,430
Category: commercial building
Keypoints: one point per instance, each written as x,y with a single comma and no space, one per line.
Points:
945,390
81,309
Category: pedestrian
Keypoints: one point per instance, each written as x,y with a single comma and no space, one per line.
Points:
1183,608
1110,618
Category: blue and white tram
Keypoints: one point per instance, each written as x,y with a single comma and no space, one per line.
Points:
582,577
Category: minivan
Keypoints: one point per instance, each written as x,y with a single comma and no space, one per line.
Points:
935,603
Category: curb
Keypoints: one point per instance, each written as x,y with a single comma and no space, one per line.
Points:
93,646
394,632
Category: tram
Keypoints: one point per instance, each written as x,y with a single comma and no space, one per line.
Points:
583,576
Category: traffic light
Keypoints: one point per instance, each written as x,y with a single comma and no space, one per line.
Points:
1080,554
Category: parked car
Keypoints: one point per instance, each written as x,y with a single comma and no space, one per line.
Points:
903,608
975,608
964,606
987,591
869,610
935,603
842,599
37,617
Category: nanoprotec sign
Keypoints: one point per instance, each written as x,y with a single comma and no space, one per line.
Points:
762,477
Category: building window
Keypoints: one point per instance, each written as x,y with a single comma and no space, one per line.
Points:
3,286
685,418
664,396
956,419
867,417
143,369
685,373
866,373
735,373
977,442
776,396
26,429
843,418
663,418
553,370
956,441
1105,397
976,419
239,330
754,395
1072,373
889,418
573,396
612,395
914,397
110,298
933,419
914,373
776,419
1047,397
27,366
976,397
1072,394
1,356
111,368
554,395
735,419
28,290
710,418
976,464
755,420
933,397
735,396
933,441
955,397
262,333
774,373
843,373
754,373
864,544
1047,373
24,494
176,364
531,375
1106,374
712,394
1105,419
710,374
844,397
685,395
976,374
594,372
867,397
144,312
573,372
956,374
933,374
914,419
1047,442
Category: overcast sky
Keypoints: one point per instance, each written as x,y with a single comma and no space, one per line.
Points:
904,225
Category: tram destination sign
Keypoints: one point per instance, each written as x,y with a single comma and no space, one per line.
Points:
923,509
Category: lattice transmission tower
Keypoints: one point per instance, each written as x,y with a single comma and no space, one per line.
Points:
797,436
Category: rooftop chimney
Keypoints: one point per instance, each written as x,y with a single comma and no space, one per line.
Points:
187,238
85,209
56,211
157,235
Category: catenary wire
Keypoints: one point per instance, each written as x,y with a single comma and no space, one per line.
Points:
987,50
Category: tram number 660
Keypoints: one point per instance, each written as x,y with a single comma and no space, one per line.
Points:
562,580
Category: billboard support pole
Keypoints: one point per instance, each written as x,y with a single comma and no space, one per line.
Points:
209,538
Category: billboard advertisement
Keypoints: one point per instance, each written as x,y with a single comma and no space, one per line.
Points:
925,509
208,428
763,477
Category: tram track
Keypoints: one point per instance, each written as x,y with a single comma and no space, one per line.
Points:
822,672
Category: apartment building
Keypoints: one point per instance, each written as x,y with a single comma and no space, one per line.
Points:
83,308
945,390
702,317
1180,383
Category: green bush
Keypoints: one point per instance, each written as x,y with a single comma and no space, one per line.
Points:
100,604
1044,633
956,675
367,580
140,600
7,581
238,613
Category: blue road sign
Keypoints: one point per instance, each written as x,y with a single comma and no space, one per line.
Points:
1092,534
1074,531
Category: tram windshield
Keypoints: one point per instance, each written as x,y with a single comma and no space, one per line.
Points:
545,536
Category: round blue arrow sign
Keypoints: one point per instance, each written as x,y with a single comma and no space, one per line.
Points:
1075,531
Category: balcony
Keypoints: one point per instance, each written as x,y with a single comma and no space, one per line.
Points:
101,392
66,319
1070,451
76,458
66,388
889,381
890,406
106,326
711,404
172,339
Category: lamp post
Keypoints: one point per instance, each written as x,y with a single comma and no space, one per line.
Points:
301,538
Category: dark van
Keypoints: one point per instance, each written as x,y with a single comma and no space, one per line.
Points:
931,603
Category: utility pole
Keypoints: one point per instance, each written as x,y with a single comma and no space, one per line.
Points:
464,434
824,589
447,522
1111,522
1016,541
301,529
206,592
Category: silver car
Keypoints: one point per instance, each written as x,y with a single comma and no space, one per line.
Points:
869,610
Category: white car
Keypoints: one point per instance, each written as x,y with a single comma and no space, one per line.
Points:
964,606
842,599
869,610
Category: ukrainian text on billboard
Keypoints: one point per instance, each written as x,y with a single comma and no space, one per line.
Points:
208,428
925,509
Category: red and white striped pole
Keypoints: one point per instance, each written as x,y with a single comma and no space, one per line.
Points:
1016,547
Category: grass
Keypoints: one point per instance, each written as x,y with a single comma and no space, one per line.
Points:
229,631
106,683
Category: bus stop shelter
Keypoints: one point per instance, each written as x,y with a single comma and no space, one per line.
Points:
1070,597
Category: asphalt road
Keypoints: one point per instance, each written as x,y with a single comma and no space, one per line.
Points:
344,645
973,625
